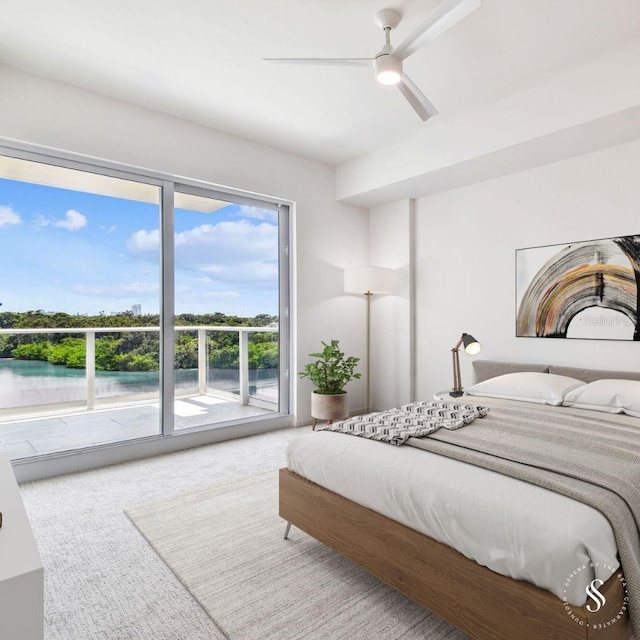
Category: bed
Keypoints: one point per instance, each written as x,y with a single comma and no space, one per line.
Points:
484,596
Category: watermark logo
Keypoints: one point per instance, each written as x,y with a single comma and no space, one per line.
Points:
596,600
595,595
606,320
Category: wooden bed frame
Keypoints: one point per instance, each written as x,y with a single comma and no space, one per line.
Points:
481,603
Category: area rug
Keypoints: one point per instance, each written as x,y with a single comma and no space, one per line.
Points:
225,544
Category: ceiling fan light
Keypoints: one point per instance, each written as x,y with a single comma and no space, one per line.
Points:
388,77
388,69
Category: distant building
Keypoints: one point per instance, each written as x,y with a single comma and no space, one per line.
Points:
136,309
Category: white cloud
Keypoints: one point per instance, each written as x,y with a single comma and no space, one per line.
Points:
41,221
144,241
222,295
237,252
116,289
226,243
8,216
256,273
255,213
218,295
73,221
108,230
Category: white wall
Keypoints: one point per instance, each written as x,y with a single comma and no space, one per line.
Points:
330,235
465,259
392,328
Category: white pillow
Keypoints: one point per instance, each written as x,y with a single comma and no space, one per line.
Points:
612,396
543,388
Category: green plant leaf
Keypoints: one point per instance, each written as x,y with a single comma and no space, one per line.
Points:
331,370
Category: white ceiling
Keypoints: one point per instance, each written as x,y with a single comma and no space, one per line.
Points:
201,60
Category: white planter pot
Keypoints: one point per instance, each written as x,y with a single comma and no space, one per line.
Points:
329,407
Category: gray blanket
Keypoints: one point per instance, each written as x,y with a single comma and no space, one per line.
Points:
591,458
413,420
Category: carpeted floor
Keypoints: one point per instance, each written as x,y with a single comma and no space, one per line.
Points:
102,579
226,545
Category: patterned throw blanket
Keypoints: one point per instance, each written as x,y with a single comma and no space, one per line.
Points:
413,420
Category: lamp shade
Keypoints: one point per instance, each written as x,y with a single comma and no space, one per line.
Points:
368,280
471,345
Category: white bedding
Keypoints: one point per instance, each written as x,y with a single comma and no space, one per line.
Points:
512,527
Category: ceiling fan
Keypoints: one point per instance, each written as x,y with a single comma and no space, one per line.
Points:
387,63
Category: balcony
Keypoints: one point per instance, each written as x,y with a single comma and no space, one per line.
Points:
46,408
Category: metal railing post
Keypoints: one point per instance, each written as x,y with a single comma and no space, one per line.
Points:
202,361
90,368
243,366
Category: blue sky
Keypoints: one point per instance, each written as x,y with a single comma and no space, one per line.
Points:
63,250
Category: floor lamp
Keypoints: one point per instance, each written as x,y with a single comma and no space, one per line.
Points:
367,281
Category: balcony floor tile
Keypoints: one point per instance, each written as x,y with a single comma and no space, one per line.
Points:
27,437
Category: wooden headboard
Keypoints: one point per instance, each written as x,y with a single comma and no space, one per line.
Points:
485,369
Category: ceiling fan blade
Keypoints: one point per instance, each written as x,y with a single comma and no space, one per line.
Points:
449,13
335,62
416,98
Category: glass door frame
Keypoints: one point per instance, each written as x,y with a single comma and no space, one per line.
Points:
283,209
168,185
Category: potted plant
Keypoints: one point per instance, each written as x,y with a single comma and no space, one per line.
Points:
329,373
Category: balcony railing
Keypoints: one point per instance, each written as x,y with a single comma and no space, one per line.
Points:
243,395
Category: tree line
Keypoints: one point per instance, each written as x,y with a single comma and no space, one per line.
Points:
135,351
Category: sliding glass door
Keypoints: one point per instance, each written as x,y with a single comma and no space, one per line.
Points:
133,306
227,301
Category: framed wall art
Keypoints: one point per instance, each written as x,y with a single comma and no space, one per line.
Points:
579,290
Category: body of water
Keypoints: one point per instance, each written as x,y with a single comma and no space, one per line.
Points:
34,382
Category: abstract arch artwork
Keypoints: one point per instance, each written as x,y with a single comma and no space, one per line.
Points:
581,290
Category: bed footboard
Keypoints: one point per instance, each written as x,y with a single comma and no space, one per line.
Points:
481,603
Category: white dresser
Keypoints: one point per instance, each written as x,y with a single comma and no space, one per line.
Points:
21,574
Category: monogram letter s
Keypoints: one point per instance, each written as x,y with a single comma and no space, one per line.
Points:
595,595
